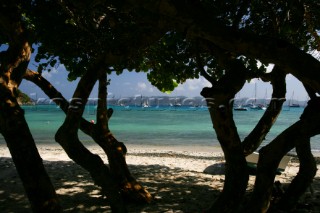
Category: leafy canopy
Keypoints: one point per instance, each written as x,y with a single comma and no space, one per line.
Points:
76,33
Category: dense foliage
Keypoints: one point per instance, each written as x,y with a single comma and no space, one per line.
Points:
75,34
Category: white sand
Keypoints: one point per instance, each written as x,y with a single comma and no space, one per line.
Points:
174,175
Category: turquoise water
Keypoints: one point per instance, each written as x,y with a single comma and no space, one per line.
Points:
157,126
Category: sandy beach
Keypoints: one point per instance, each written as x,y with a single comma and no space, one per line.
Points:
174,176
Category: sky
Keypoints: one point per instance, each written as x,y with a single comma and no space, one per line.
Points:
131,84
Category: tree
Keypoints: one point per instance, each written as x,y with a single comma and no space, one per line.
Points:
219,99
13,125
92,68
222,28
243,28
99,47
178,40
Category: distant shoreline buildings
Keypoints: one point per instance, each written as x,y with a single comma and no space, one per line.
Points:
153,101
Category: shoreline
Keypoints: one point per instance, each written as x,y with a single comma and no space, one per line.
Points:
138,148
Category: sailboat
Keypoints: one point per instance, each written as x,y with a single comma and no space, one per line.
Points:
176,104
239,107
144,103
291,104
255,106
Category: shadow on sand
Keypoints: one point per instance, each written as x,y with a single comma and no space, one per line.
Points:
175,190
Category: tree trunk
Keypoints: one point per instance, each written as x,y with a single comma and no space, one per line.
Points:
220,104
114,149
236,172
308,166
307,171
67,137
13,126
99,172
27,160
271,155
269,159
258,134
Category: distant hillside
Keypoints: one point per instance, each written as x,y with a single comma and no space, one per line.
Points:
24,99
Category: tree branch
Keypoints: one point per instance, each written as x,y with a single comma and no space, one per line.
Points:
257,135
202,71
202,25
56,97
102,115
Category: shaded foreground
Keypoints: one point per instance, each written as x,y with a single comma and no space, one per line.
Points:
175,178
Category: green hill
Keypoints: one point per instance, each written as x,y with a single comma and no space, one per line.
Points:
24,99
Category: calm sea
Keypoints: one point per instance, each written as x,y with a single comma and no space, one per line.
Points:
163,126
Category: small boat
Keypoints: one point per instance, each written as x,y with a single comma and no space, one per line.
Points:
240,108
294,105
253,158
175,104
146,105
258,107
254,105
126,108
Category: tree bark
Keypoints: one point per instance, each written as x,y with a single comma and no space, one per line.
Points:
236,173
269,159
271,155
258,134
219,101
27,160
13,125
308,166
307,171
114,149
67,137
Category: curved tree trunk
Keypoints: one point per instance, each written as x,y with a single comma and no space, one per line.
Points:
236,172
67,137
270,156
258,134
269,159
13,125
307,171
99,172
308,166
114,149
219,101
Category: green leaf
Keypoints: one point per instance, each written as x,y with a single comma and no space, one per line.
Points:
175,84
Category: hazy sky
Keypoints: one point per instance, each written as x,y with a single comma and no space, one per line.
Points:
131,84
